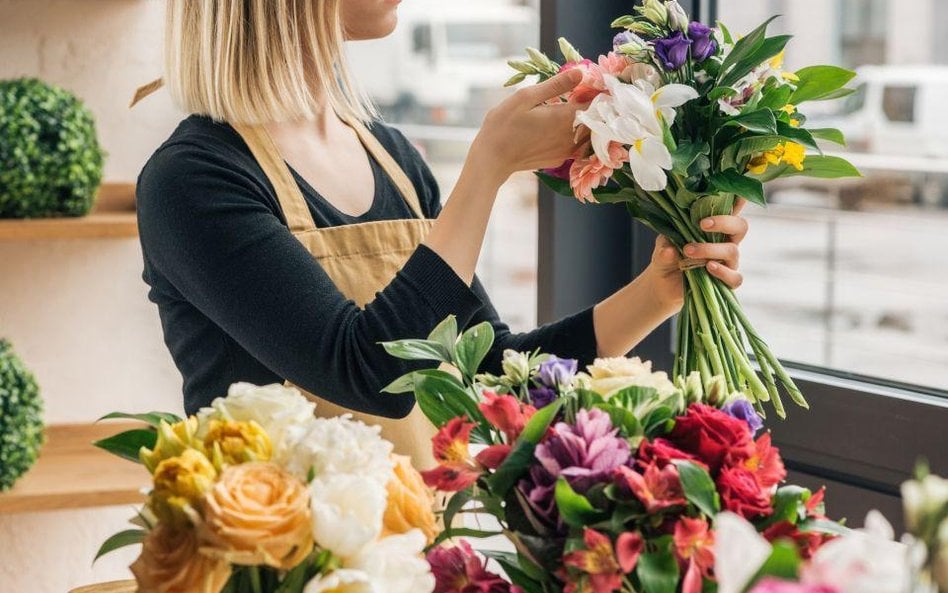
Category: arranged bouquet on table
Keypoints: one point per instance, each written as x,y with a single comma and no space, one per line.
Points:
256,495
683,119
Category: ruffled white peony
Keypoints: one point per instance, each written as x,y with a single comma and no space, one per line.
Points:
340,445
396,564
347,512
608,375
340,581
274,407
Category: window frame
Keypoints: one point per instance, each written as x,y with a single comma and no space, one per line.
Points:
862,437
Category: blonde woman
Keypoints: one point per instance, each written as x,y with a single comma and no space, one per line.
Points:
286,232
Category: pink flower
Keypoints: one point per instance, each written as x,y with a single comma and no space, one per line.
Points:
694,546
600,564
457,469
493,456
458,569
772,585
762,460
589,173
590,86
617,65
657,489
661,452
506,413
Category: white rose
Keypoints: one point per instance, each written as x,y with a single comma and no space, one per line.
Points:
608,375
340,445
347,512
396,564
274,407
340,581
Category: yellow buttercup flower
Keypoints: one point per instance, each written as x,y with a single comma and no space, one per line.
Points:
180,484
789,109
791,153
173,440
230,443
410,503
794,154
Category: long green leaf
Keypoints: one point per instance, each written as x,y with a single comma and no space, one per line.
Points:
770,47
127,444
473,346
417,350
574,508
732,182
819,81
457,502
122,539
446,333
828,134
698,487
538,424
513,565
745,47
824,167
761,121
464,532
520,459
150,418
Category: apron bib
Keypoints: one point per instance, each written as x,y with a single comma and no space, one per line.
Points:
362,259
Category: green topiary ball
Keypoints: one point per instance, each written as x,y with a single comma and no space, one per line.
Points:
50,158
21,422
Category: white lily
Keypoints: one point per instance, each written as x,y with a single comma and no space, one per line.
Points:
739,552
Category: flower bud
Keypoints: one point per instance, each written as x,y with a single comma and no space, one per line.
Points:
654,11
173,440
677,18
516,366
691,388
715,391
569,52
923,499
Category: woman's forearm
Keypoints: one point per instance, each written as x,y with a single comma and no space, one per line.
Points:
458,234
628,316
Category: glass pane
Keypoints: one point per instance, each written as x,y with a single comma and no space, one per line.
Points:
434,78
849,275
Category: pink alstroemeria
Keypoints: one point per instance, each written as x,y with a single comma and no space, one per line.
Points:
762,460
603,566
589,173
656,488
493,456
694,546
451,446
592,83
506,413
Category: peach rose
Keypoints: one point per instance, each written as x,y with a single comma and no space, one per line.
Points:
171,562
258,513
410,502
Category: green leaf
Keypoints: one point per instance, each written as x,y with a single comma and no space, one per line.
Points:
798,135
574,508
788,506
446,333
442,397
151,418
473,346
838,94
732,182
457,502
464,532
725,33
824,526
122,539
828,134
819,81
753,145
775,97
824,167
417,350
783,563
521,458
560,186
686,154
513,565
623,419
403,384
538,424
658,570
127,444
770,47
761,121
745,47
698,487
613,196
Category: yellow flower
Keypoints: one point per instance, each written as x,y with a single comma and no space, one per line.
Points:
173,439
790,153
794,154
257,513
789,109
230,443
180,484
410,503
170,562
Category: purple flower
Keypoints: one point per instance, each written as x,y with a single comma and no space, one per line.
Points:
555,372
541,397
672,51
623,38
538,488
561,172
703,40
585,453
743,410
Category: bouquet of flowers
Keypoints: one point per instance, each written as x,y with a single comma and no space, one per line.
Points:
256,495
683,119
603,480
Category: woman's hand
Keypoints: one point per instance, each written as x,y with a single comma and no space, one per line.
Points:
723,258
528,130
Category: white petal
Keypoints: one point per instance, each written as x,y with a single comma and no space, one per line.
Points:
673,95
739,551
396,564
727,108
655,152
340,581
343,521
649,177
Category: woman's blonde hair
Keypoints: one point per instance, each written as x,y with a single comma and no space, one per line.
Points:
260,61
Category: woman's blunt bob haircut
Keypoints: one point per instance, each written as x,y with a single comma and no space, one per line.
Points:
260,61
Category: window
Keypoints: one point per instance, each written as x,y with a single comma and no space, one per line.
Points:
898,104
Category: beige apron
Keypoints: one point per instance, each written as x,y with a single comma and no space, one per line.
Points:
360,258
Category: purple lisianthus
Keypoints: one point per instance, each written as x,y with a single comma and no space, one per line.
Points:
623,38
561,172
702,38
541,397
555,372
743,410
672,51
585,453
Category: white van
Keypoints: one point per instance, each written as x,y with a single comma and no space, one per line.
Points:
446,63
896,110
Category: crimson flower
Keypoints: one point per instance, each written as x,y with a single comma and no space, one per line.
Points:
710,435
694,547
656,488
741,493
458,569
662,452
506,413
457,469
601,565
762,460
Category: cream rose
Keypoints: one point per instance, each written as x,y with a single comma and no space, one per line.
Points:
258,513
608,375
171,562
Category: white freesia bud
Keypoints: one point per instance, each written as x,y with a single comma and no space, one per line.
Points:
923,499
677,17
692,388
654,11
516,367
716,391
569,52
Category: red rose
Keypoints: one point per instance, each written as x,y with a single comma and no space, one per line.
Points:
742,494
711,434
661,452
807,542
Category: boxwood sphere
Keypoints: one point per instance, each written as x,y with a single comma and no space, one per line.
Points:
50,158
21,422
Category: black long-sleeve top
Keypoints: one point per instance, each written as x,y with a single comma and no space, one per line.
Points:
240,299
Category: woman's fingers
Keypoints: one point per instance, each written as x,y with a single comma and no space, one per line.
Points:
732,225
738,207
727,275
554,87
725,252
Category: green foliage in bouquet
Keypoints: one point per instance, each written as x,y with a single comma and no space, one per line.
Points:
21,422
50,159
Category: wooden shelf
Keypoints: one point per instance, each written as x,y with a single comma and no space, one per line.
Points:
71,473
113,218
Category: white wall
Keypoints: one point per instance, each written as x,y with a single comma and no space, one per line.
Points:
76,311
